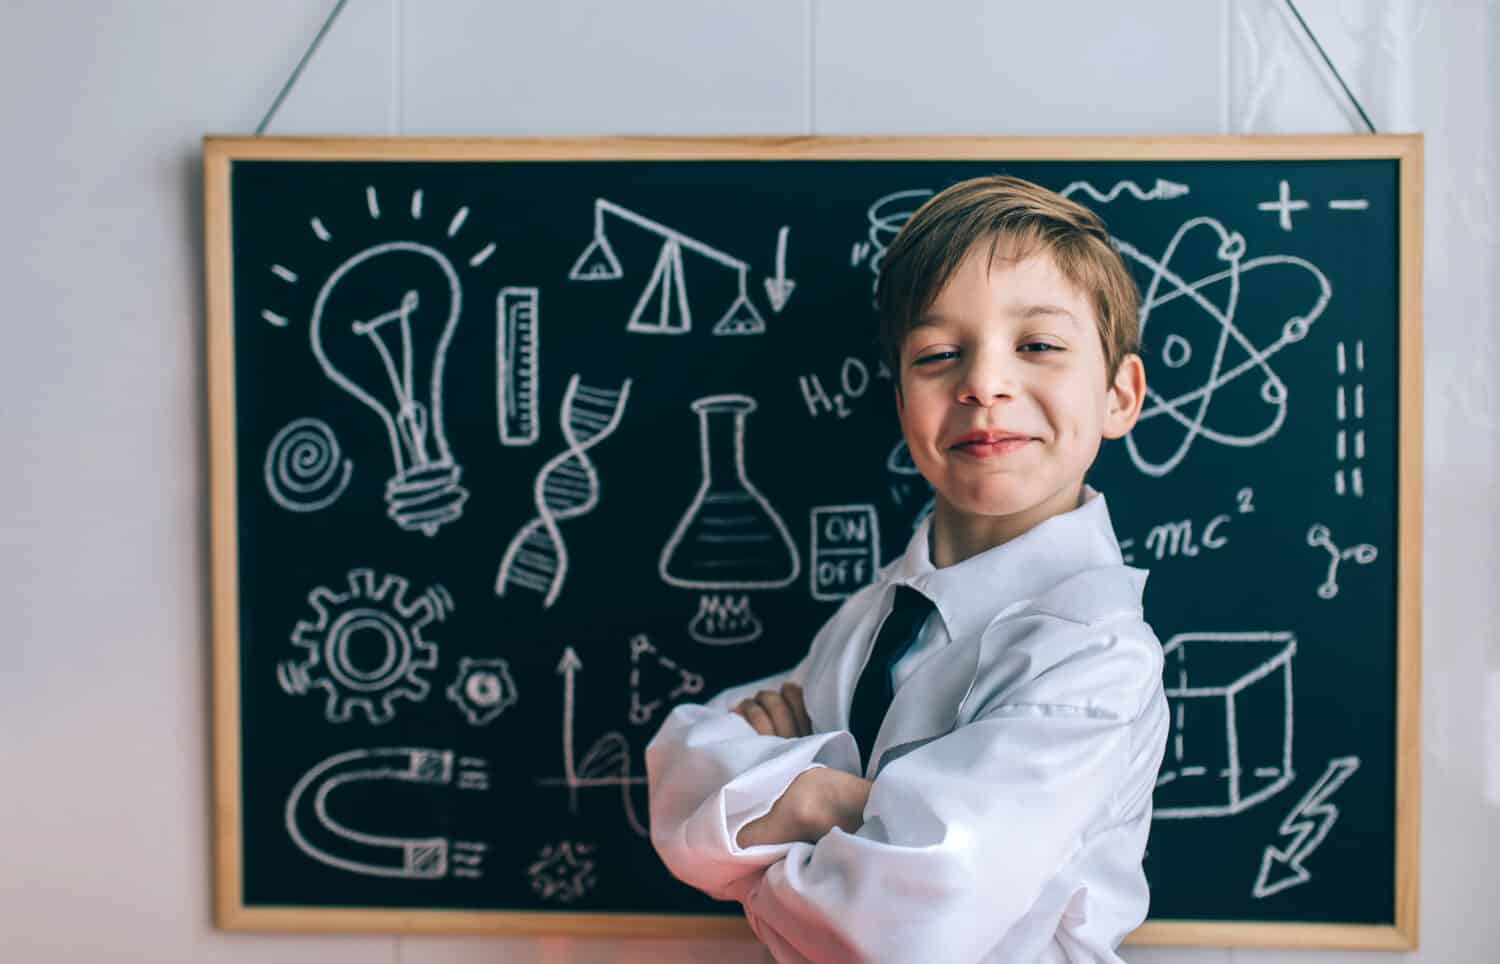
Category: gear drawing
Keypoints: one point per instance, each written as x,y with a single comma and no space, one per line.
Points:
366,647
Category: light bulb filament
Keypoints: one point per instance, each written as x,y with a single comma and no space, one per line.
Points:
411,415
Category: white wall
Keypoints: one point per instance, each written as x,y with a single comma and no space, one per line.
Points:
104,812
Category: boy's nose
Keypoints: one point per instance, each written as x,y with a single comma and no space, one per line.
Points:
986,381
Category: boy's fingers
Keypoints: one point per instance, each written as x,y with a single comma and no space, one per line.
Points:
780,713
757,717
792,693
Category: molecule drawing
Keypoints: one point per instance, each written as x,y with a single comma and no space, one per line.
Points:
1208,342
1319,537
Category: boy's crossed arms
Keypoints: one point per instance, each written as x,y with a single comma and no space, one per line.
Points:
818,799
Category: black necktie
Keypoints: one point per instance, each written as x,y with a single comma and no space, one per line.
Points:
873,692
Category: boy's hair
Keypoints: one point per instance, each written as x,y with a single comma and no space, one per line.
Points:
1019,219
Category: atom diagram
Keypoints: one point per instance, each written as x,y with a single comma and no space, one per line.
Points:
1193,386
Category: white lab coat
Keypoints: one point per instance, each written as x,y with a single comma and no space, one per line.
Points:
1012,775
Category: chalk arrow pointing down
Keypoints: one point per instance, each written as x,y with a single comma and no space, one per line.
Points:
779,288
1307,824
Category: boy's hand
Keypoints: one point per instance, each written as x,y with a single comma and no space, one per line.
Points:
777,712
818,800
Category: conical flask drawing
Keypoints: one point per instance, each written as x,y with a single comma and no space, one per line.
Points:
729,538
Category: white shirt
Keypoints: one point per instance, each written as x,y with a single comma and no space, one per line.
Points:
1012,775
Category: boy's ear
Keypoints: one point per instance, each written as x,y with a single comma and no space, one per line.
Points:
1126,395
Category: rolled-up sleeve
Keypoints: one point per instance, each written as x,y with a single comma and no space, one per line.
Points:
710,773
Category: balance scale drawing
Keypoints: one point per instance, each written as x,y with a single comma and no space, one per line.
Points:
667,287
607,763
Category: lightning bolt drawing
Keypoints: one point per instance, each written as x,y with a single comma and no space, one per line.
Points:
1307,824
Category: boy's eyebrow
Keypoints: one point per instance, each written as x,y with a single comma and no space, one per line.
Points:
1044,311
1025,312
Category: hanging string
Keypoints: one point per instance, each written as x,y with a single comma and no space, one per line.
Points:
297,72
1337,76
338,8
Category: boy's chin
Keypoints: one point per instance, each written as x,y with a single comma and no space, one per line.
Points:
979,506
1009,504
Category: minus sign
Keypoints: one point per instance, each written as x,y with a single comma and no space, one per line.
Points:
1357,205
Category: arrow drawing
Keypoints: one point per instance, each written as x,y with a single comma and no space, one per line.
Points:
779,288
606,764
1309,822
1160,191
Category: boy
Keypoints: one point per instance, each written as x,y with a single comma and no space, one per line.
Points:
961,767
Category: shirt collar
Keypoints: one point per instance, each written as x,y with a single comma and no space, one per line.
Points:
970,593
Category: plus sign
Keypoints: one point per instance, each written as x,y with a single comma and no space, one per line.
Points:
1285,205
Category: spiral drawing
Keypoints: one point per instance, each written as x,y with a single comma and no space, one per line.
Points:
566,487
304,469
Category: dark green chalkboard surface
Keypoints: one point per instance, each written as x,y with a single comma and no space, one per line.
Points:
516,444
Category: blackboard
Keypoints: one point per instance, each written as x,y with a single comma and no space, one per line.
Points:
516,444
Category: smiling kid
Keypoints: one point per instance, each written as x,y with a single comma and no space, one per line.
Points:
961,767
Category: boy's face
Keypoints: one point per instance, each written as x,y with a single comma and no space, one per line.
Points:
1004,394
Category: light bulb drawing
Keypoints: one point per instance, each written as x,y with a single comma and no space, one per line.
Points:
380,328
662,308
729,537
374,354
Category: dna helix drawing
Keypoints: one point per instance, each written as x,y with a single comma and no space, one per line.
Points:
566,487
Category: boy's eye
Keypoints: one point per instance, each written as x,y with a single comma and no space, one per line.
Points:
934,357
1043,345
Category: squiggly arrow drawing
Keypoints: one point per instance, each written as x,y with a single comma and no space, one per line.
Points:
1160,191
1308,823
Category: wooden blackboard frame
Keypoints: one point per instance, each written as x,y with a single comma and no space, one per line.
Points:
219,152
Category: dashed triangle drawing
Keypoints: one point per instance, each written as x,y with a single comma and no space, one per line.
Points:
656,681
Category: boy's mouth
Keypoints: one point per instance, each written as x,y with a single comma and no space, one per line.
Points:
983,444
